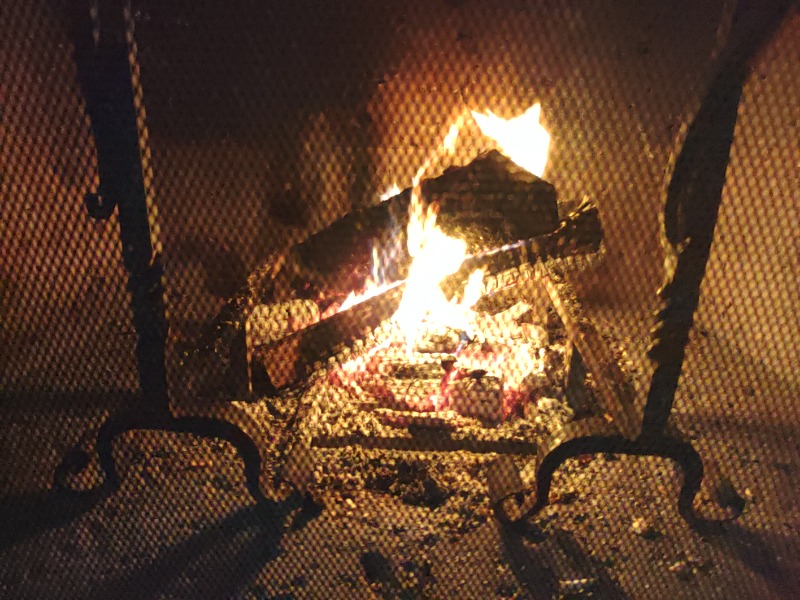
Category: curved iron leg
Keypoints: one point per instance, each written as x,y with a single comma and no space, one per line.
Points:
207,427
580,442
245,446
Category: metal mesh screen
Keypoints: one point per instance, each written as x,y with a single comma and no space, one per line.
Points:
266,123
62,274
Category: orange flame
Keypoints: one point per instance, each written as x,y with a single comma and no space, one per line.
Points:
390,193
435,255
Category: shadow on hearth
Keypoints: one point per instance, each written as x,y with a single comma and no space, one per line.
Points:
24,516
17,400
36,428
764,554
218,562
552,564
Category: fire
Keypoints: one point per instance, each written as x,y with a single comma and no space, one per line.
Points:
523,139
374,284
526,142
507,351
435,255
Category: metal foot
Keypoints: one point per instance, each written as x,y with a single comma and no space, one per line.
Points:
513,501
72,472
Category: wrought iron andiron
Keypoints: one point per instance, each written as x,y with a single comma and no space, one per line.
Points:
108,75
690,215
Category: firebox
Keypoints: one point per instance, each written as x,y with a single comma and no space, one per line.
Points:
420,250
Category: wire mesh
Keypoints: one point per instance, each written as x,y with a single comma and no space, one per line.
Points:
267,122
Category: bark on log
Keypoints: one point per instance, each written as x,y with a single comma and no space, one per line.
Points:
294,357
580,233
615,390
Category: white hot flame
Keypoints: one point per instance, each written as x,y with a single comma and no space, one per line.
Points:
523,139
435,255
390,193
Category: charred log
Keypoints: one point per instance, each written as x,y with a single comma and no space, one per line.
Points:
581,233
296,356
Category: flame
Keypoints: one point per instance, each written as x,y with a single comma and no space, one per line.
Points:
435,255
390,193
372,289
523,139
375,283
473,289
472,293
423,299
373,286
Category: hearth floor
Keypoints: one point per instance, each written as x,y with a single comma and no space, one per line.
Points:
183,526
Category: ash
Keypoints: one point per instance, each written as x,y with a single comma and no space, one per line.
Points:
382,422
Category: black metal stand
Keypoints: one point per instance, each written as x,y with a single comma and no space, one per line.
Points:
108,76
690,217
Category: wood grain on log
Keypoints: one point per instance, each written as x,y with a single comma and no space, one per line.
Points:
615,390
580,233
296,356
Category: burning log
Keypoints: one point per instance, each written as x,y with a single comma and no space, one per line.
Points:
581,233
438,340
488,203
287,361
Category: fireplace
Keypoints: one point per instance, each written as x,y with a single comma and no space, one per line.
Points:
382,249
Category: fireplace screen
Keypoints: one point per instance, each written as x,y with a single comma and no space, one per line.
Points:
399,299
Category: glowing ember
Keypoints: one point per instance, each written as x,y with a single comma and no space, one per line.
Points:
522,139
